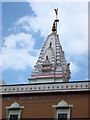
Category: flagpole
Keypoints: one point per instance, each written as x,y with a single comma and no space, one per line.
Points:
57,20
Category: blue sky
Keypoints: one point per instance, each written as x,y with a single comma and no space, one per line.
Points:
25,27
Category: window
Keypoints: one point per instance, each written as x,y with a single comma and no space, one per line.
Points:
13,117
14,111
62,116
62,111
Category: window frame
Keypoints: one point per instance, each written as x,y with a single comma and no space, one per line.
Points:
13,110
62,108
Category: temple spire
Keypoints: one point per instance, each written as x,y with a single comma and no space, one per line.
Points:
51,65
54,27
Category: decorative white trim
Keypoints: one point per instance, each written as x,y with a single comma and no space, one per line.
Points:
62,108
37,88
14,109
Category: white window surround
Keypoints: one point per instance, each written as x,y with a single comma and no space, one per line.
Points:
14,109
62,108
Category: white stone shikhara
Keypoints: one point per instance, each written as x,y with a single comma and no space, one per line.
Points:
51,65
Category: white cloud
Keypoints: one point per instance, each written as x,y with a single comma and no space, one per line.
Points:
17,51
0,60
72,28
45,1
74,68
0,67
21,79
20,40
58,1
23,22
78,46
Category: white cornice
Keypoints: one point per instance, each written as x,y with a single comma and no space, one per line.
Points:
45,88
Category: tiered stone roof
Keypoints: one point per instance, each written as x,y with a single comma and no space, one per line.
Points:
51,61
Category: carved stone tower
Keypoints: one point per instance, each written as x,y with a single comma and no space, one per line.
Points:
51,65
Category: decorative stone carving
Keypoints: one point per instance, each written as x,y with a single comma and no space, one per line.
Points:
14,109
62,108
68,71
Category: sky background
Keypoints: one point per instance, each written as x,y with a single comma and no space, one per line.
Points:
25,26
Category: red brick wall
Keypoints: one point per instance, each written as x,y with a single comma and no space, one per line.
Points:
40,105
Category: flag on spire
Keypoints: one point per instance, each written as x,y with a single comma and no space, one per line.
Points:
56,12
